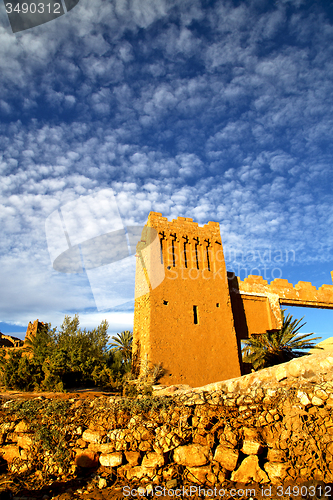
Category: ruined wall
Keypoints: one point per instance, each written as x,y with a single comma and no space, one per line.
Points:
184,322
269,427
10,341
33,329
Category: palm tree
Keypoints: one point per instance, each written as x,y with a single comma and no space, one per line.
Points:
278,346
123,344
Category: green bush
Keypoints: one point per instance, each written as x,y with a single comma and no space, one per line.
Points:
19,372
55,360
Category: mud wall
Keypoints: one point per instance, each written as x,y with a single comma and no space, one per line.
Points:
268,427
187,319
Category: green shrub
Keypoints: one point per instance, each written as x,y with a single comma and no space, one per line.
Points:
19,372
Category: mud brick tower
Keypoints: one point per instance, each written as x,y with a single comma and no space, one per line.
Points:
183,316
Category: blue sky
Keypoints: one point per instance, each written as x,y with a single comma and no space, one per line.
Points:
215,110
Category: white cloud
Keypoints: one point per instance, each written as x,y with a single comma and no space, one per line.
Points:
215,113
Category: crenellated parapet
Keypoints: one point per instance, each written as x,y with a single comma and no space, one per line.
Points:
186,245
303,294
257,304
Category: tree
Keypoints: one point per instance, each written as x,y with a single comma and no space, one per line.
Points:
123,344
20,372
65,357
278,346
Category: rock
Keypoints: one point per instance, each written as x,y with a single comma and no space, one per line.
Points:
251,448
140,472
195,399
168,390
24,441
132,457
276,471
102,483
117,434
250,434
171,484
227,457
21,427
87,459
18,468
269,418
170,472
274,455
101,447
281,373
226,444
10,452
145,446
249,471
201,475
329,401
303,397
296,368
230,436
317,401
81,443
153,459
192,455
111,459
92,436
320,393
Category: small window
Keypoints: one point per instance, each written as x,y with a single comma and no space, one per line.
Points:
165,302
217,304
195,315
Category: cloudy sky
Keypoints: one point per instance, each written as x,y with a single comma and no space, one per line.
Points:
215,110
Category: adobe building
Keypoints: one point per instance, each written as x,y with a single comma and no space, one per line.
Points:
8,341
32,330
190,314
186,321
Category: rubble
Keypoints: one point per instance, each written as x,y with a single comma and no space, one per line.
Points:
265,431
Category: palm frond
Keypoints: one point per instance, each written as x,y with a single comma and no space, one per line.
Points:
278,346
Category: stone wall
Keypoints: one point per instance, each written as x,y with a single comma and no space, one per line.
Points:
267,427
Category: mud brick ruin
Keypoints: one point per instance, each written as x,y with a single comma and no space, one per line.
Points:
33,329
190,314
9,341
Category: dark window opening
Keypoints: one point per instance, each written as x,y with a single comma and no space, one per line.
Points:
195,315
173,249
217,304
207,253
161,243
173,253
185,254
196,251
165,302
